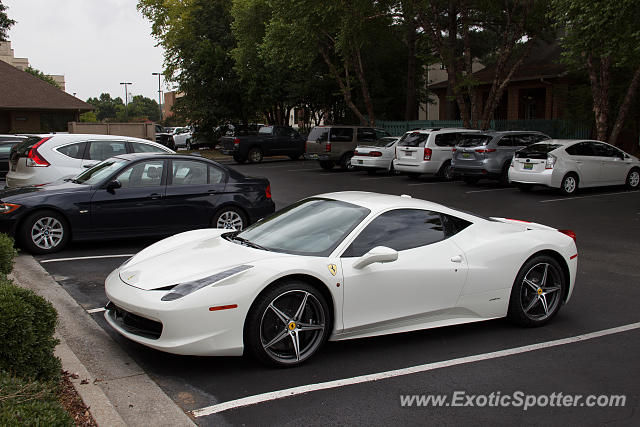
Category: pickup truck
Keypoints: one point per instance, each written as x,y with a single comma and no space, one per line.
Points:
269,141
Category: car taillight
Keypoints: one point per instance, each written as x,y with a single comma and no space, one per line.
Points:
327,146
236,141
551,161
375,154
427,153
267,192
485,150
453,150
569,233
34,158
355,153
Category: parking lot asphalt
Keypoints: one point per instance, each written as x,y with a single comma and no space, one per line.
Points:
607,224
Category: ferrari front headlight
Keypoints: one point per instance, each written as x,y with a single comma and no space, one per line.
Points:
184,289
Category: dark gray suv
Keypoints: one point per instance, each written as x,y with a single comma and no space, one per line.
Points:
488,154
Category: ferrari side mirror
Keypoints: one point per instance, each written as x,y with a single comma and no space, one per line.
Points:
377,254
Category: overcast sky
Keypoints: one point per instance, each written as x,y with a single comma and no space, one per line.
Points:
96,44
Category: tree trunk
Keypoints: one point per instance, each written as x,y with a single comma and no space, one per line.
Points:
600,90
625,107
410,111
344,89
368,102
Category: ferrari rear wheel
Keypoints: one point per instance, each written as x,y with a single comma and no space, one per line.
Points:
288,324
537,292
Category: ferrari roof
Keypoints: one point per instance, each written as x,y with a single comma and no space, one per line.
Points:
378,201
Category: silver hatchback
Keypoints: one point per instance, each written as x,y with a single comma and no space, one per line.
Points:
488,154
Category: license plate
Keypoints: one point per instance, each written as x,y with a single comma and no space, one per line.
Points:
466,155
408,154
528,166
360,162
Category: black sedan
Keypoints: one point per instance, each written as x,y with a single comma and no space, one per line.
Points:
134,195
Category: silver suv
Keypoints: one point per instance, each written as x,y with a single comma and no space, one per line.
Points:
489,154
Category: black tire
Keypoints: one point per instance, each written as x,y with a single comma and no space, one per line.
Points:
504,174
413,175
392,170
345,162
295,156
569,184
633,179
327,165
239,159
446,171
470,180
44,232
525,188
230,217
263,325
526,306
255,155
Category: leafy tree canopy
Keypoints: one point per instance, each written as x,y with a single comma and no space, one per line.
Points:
5,22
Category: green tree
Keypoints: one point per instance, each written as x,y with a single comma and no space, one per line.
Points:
501,33
106,107
604,38
197,38
42,76
88,117
5,22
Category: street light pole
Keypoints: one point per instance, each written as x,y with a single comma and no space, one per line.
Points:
159,93
126,98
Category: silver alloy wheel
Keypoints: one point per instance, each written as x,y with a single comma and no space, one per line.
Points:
448,172
634,179
541,291
47,233
230,219
569,184
292,326
255,156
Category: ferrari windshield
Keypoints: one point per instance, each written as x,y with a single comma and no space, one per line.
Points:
310,227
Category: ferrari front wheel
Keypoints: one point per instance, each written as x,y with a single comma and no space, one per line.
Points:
288,324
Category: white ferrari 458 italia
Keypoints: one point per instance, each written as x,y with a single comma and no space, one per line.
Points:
338,266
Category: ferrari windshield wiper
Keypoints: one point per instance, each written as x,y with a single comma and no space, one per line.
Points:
248,242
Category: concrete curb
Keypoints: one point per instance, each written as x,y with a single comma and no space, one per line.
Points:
118,392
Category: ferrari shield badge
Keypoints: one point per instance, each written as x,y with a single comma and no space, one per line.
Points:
333,269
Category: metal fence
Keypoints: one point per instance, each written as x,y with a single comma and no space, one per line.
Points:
564,129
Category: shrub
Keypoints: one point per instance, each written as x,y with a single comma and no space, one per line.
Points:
29,403
7,253
27,324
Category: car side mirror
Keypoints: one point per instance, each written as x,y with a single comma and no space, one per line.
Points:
377,254
112,185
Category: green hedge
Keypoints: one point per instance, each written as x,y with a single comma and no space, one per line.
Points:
29,403
27,324
7,253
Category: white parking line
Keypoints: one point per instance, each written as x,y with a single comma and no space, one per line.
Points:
585,197
96,310
379,177
432,183
293,391
493,189
44,261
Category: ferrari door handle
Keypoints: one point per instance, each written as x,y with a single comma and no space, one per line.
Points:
456,258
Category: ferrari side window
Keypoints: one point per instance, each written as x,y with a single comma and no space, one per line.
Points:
400,229
453,225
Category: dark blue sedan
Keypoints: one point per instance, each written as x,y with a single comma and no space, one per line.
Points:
134,195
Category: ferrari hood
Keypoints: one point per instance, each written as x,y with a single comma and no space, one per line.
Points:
186,257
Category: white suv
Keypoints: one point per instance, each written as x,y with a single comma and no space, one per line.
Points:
427,151
46,158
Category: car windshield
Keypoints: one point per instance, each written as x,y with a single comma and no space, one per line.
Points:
312,227
100,171
539,150
413,139
384,142
473,140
